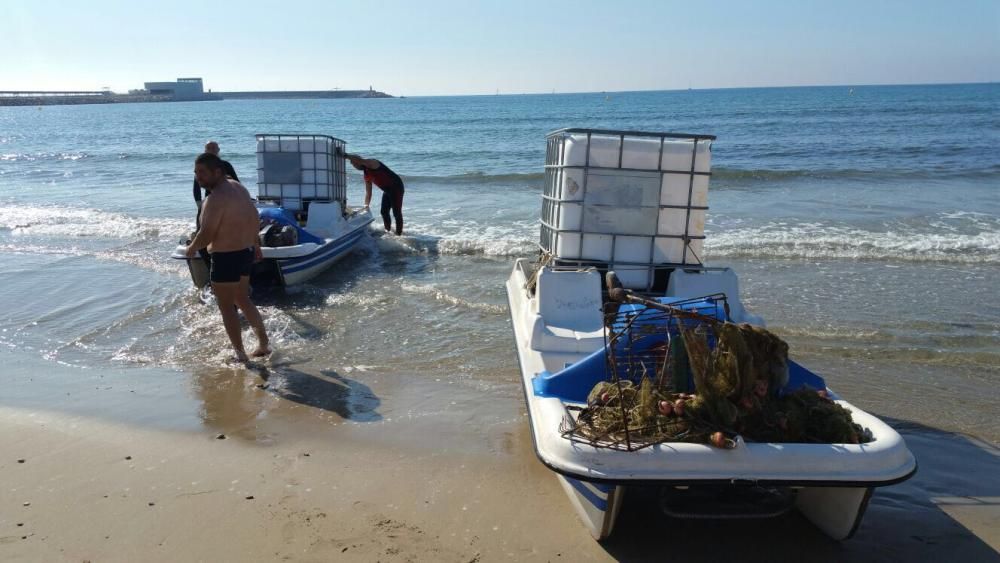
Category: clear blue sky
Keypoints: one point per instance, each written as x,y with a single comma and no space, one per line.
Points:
427,47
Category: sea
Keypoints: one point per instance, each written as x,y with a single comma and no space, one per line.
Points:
863,222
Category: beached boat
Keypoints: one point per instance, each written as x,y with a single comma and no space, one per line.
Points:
634,203
306,225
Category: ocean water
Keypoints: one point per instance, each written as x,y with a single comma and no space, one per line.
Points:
864,224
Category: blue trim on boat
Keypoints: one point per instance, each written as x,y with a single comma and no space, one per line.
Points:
318,257
598,502
305,262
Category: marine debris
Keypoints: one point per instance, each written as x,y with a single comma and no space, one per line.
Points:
681,375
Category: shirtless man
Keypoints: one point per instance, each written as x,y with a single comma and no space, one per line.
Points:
229,223
213,148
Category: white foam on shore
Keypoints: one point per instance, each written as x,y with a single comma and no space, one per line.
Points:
438,294
30,157
465,238
68,222
816,241
358,298
143,258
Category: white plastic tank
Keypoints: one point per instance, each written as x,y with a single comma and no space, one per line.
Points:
567,245
297,168
641,153
602,150
630,200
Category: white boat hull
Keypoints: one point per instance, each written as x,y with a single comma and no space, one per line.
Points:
293,265
832,482
597,505
298,270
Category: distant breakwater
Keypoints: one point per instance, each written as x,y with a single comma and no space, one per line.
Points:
57,98
303,94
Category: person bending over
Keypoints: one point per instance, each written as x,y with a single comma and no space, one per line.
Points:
229,223
389,182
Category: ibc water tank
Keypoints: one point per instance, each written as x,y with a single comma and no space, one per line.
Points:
642,153
567,246
597,151
631,200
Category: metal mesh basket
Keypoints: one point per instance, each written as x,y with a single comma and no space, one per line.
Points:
646,363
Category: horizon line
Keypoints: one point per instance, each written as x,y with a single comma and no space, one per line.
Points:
551,92
844,85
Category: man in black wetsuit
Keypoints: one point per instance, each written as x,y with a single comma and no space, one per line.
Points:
389,182
211,147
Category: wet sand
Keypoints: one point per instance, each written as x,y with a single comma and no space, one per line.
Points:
318,465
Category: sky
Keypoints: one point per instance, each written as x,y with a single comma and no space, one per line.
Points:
444,47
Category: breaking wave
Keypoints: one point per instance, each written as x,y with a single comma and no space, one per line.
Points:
87,223
730,175
447,298
484,240
31,157
815,241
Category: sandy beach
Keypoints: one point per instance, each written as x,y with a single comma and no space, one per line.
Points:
136,466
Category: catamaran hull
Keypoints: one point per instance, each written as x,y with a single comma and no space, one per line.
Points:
286,269
596,504
298,270
836,511
830,484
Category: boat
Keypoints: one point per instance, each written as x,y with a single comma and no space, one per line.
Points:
306,225
622,234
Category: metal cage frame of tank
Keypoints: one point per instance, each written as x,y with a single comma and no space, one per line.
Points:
554,171
336,187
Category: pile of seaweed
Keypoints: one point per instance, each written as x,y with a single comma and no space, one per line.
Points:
739,372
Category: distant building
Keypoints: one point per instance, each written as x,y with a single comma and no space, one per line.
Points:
181,90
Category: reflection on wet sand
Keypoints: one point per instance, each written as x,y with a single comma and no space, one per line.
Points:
230,402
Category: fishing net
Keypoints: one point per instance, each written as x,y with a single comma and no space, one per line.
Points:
679,373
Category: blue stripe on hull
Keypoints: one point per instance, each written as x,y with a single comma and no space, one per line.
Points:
297,264
598,502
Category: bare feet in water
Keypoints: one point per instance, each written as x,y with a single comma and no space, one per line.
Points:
261,351
238,358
